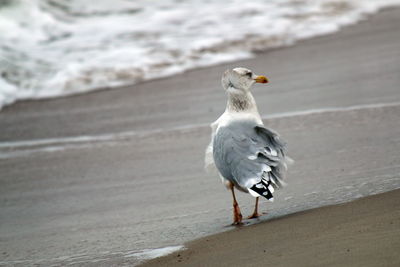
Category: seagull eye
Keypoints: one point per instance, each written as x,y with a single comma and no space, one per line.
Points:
249,74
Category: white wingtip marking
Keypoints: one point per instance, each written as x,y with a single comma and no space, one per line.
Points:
271,189
252,157
253,193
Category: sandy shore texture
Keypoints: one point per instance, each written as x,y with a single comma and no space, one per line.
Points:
365,232
95,179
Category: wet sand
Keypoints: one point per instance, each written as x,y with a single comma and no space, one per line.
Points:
95,179
365,232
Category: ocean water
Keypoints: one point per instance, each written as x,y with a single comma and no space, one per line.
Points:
51,48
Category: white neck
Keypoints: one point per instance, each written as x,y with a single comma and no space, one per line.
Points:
240,101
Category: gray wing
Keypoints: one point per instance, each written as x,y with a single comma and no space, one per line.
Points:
250,156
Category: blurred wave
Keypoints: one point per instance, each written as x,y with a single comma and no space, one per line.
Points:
50,48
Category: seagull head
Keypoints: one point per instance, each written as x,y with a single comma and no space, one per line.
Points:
240,80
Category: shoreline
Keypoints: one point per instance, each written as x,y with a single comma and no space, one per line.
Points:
209,77
96,200
363,232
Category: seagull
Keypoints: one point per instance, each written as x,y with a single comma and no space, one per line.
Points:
248,156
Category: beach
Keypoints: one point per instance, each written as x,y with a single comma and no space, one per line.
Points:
365,232
98,179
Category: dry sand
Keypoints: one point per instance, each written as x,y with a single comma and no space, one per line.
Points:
98,201
365,232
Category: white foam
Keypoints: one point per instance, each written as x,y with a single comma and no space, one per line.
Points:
78,259
154,253
49,49
330,109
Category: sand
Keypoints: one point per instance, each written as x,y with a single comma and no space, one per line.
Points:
95,179
365,232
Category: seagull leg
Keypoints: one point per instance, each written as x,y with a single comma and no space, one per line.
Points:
237,215
255,213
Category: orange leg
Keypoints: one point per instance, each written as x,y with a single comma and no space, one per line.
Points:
237,215
255,213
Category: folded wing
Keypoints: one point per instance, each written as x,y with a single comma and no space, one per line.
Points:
250,156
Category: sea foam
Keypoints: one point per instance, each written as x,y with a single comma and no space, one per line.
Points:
53,48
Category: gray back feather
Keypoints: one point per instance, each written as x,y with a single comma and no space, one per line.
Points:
246,152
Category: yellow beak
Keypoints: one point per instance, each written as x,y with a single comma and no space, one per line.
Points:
261,79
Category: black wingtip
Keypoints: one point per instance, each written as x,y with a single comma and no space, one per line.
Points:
262,189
